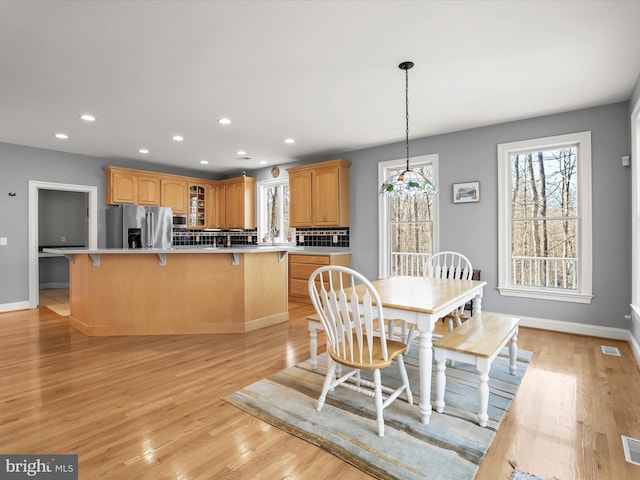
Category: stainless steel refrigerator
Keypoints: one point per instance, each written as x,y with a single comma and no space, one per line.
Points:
135,226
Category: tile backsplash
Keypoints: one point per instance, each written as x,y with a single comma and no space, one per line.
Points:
309,237
184,237
322,237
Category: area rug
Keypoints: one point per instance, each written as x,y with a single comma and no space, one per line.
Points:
451,446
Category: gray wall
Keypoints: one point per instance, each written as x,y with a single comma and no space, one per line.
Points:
472,228
19,165
62,215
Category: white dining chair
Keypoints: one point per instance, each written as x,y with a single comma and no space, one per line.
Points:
354,340
450,264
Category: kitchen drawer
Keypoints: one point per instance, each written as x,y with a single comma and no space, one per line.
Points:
299,288
316,259
302,270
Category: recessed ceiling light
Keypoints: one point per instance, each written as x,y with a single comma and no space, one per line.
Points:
263,162
224,121
289,140
88,117
241,152
62,136
204,162
177,138
143,150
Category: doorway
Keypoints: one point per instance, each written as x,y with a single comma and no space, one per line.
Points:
91,235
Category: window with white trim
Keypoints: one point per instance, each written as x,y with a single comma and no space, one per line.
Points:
407,228
544,227
273,211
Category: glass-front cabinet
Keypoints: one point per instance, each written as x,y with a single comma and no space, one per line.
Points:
197,211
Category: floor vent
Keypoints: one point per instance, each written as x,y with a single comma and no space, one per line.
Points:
631,450
610,350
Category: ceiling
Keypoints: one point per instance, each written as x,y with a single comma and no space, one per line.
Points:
324,73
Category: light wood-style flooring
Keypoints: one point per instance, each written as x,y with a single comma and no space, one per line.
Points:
150,407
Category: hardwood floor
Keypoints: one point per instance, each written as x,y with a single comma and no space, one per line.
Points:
150,407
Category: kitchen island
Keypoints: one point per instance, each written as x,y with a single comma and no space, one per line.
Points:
182,290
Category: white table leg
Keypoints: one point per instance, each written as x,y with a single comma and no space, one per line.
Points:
441,379
483,366
425,358
513,353
477,304
313,345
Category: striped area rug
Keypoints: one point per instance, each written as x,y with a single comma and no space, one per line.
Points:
451,446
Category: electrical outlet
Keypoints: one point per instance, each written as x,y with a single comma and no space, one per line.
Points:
63,239
335,239
301,238
3,241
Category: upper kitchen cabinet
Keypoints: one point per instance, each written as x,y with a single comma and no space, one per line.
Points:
174,193
197,202
149,190
319,194
215,205
240,202
121,186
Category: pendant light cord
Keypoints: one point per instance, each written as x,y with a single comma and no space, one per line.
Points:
406,103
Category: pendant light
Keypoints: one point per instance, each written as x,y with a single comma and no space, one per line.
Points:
408,183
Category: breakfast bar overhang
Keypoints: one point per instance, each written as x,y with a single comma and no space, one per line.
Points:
176,291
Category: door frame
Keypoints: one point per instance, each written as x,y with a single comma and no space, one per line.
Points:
34,187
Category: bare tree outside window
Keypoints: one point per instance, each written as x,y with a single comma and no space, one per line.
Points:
410,229
544,218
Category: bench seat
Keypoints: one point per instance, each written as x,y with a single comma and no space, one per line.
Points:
476,342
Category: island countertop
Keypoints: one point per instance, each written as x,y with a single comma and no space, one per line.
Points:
177,249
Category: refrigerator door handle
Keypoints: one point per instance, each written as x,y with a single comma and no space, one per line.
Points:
150,229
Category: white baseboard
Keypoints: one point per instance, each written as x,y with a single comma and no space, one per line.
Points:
635,347
9,307
583,329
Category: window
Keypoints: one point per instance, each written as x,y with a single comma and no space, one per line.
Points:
273,208
545,218
407,227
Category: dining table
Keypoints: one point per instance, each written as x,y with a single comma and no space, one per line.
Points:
422,301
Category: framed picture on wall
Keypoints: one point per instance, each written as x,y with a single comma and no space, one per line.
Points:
466,192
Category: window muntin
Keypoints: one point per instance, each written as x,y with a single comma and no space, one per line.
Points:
407,225
545,212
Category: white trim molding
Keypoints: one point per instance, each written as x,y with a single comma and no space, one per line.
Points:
10,307
581,329
584,292
383,173
34,186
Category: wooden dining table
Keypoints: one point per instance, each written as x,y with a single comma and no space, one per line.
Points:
422,301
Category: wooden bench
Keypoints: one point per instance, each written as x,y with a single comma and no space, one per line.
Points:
476,342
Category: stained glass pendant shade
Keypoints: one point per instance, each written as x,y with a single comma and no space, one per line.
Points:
408,183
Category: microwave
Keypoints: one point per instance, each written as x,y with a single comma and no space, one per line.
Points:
179,221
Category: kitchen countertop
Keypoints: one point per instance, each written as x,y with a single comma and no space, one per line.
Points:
324,251
177,249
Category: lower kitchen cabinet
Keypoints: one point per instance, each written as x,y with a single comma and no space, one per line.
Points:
302,266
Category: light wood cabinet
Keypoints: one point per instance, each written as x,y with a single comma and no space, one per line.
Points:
215,205
174,193
240,200
148,190
224,204
319,194
302,266
197,206
121,186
